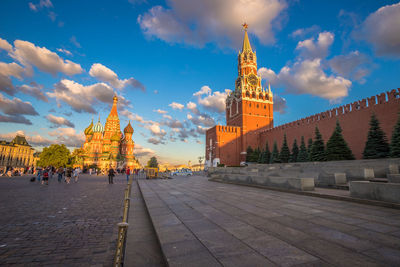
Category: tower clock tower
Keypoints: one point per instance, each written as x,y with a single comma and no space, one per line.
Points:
250,106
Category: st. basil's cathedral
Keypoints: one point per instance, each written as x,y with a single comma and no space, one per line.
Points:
106,147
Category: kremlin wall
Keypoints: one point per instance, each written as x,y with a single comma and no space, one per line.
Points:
249,116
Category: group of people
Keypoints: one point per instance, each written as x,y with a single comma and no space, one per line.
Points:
43,175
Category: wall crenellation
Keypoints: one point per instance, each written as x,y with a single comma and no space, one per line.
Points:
381,99
228,129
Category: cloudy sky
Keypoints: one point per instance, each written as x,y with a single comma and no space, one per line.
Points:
172,63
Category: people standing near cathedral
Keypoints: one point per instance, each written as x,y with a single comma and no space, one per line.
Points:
68,175
128,172
111,174
76,175
60,172
45,179
39,174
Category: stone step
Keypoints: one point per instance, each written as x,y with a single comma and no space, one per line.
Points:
180,247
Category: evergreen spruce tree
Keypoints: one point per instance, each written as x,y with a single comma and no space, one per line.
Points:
261,158
284,156
275,154
395,142
267,154
303,154
249,154
309,146
377,145
318,148
336,147
295,152
256,155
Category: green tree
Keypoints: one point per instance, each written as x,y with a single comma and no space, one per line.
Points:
256,155
152,163
395,142
261,157
267,154
336,147
376,145
55,155
318,147
77,156
249,154
295,152
309,146
275,154
284,156
303,154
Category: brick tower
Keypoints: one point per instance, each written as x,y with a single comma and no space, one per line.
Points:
250,106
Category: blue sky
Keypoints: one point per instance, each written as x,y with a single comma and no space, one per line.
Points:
61,60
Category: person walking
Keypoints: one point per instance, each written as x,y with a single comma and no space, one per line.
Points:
45,179
60,172
68,175
128,172
111,174
76,175
39,174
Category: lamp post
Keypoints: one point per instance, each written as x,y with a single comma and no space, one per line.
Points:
200,161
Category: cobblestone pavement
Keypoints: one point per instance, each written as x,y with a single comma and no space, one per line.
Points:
59,224
245,226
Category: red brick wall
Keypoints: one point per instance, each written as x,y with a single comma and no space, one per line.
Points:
354,122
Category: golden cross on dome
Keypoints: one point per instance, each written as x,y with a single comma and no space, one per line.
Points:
245,26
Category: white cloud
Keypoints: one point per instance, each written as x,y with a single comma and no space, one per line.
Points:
302,32
167,116
279,104
155,129
382,30
59,121
131,116
68,137
83,98
34,90
11,69
311,49
160,111
214,102
65,51
141,151
192,107
16,106
105,74
199,22
5,45
201,119
176,105
41,4
268,75
204,90
353,65
307,77
28,54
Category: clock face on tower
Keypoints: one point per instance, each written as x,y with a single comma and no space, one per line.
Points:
252,79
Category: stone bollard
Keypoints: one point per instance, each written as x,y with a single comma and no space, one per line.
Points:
369,174
340,178
393,169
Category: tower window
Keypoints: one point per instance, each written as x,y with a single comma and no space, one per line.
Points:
250,105
257,105
265,106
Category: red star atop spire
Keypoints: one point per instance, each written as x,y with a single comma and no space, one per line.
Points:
245,26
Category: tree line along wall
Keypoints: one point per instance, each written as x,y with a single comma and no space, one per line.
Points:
354,119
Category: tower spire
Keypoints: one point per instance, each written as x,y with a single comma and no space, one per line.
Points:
246,43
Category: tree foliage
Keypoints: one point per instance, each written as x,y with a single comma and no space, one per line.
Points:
303,154
336,147
55,155
395,142
77,156
295,151
275,154
249,154
318,147
309,146
267,154
284,156
376,145
152,163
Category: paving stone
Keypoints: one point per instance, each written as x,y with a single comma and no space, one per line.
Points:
388,255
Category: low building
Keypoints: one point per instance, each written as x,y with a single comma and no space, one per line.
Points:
17,154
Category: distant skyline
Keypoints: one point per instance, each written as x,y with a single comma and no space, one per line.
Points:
172,64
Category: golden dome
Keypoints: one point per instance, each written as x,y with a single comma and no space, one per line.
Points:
89,129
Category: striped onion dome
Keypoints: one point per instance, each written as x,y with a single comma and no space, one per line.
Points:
89,129
98,127
128,128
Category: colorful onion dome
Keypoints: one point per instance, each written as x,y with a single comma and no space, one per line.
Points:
98,127
128,128
115,137
89,129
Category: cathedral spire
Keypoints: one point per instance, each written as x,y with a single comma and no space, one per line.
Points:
246,43
113,111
